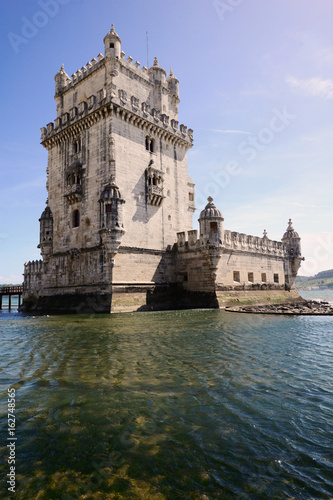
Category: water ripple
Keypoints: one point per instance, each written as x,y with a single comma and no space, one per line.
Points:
187,404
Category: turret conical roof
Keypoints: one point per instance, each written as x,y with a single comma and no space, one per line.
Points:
290,232
210,211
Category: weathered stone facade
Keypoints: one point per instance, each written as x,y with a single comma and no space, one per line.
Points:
120,202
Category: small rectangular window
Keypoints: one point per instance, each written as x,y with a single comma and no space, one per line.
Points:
263,277
276,278
237,276
108,208
213,226
191,196
250,277
76,218
111,45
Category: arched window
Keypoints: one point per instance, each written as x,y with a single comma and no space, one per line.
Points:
152,145
76,218
77,145
147,143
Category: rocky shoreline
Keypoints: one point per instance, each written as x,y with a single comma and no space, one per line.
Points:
306,308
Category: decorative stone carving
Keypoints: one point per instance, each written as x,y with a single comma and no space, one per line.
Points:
122,96
135,103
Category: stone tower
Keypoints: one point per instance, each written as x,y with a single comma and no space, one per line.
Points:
117,179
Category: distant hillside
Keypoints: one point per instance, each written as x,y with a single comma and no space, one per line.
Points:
322,279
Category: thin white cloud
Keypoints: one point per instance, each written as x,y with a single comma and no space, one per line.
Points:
229,131
314,86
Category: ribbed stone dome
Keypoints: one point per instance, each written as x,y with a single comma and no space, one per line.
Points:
290,232
47,214
111,192
210,211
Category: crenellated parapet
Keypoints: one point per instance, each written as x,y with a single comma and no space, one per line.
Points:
254,244
32,276
144,97
236,242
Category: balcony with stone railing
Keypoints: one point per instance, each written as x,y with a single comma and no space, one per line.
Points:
73,193
155,195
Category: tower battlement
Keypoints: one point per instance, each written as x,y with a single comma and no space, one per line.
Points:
144,92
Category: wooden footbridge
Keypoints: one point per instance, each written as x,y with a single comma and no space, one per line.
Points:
10,291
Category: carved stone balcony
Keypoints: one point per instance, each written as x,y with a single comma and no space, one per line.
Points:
155,195
73,193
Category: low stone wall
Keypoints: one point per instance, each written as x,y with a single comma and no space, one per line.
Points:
159,298
230,298
129,298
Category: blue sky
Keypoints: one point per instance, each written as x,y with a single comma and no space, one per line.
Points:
255,85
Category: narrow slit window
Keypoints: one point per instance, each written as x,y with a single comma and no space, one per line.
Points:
76,218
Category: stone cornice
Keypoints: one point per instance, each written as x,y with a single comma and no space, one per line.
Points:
55,135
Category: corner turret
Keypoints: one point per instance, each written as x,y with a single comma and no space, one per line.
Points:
110,208
211,226
61,80
157,74
292,241
112,44
173,84
111,223
46,233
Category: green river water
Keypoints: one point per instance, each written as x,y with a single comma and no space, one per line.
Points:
170,405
